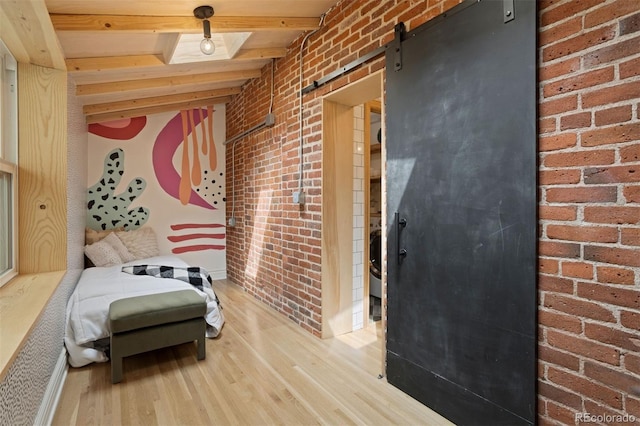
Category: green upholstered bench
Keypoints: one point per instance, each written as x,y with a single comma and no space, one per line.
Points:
145,323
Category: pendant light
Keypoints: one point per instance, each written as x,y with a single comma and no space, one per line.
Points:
207,46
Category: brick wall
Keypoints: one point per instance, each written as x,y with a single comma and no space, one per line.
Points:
589,177
589,260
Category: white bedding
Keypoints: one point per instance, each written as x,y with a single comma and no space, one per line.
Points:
88,307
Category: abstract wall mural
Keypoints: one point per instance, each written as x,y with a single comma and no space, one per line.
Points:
163,171
108,210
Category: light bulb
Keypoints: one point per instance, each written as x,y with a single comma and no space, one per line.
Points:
207,46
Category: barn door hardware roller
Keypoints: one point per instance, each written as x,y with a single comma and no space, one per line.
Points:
399,30
508,10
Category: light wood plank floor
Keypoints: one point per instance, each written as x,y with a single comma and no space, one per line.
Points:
262,369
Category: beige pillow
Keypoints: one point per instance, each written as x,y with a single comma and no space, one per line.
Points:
141,243
113,240
102,253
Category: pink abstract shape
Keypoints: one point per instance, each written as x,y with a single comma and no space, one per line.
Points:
124,129
199,247
179,238
164,149
180,226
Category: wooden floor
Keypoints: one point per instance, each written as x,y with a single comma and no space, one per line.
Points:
262,369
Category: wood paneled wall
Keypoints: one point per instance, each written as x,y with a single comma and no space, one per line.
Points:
42,158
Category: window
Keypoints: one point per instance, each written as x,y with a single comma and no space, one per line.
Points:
8,164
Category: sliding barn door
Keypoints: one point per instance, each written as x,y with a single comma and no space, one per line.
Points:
461,209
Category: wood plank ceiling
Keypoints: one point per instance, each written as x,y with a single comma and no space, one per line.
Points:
119,52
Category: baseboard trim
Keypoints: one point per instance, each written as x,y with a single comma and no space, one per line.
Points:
52,393
220,274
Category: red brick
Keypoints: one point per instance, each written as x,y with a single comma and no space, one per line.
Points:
562,359
609,294
611,94
554,393
578,43
575,121
630,154
555,284
612,214
610,135
552,143
609,12
578,307
548,266
612,255
577,270
580,158
578,82
559,321
547,125
630,24
613,115
555,249
558,106
560,31
547,4
568,9
630,320
633,407
632,363
558,69
612,52
592,194
630,68
619,174
580,346
559,177
585,387
564,213
630,237
601,234
612,336
614,275
560,414
631,194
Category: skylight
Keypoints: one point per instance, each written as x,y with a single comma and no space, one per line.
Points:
187,48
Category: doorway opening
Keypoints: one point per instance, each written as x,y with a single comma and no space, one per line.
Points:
347,213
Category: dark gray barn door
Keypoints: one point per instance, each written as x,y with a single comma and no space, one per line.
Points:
461,176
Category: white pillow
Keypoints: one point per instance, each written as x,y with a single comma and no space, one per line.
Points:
119,247
141,243
102,254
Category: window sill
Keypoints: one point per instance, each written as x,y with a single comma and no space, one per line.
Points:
22,301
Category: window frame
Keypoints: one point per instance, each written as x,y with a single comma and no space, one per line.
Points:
9,153
12,271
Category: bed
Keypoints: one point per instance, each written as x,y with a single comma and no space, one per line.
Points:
87,327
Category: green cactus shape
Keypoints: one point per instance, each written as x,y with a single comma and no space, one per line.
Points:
108,210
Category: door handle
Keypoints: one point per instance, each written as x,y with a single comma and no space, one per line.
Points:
401,223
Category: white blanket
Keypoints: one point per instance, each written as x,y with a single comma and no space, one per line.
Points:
88,307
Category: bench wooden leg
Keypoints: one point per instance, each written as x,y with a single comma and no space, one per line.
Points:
116,369
201,348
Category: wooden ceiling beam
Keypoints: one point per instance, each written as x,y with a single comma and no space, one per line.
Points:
113,62
111,116
158,100
160,82
27,31
179,24
76,65
264,53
